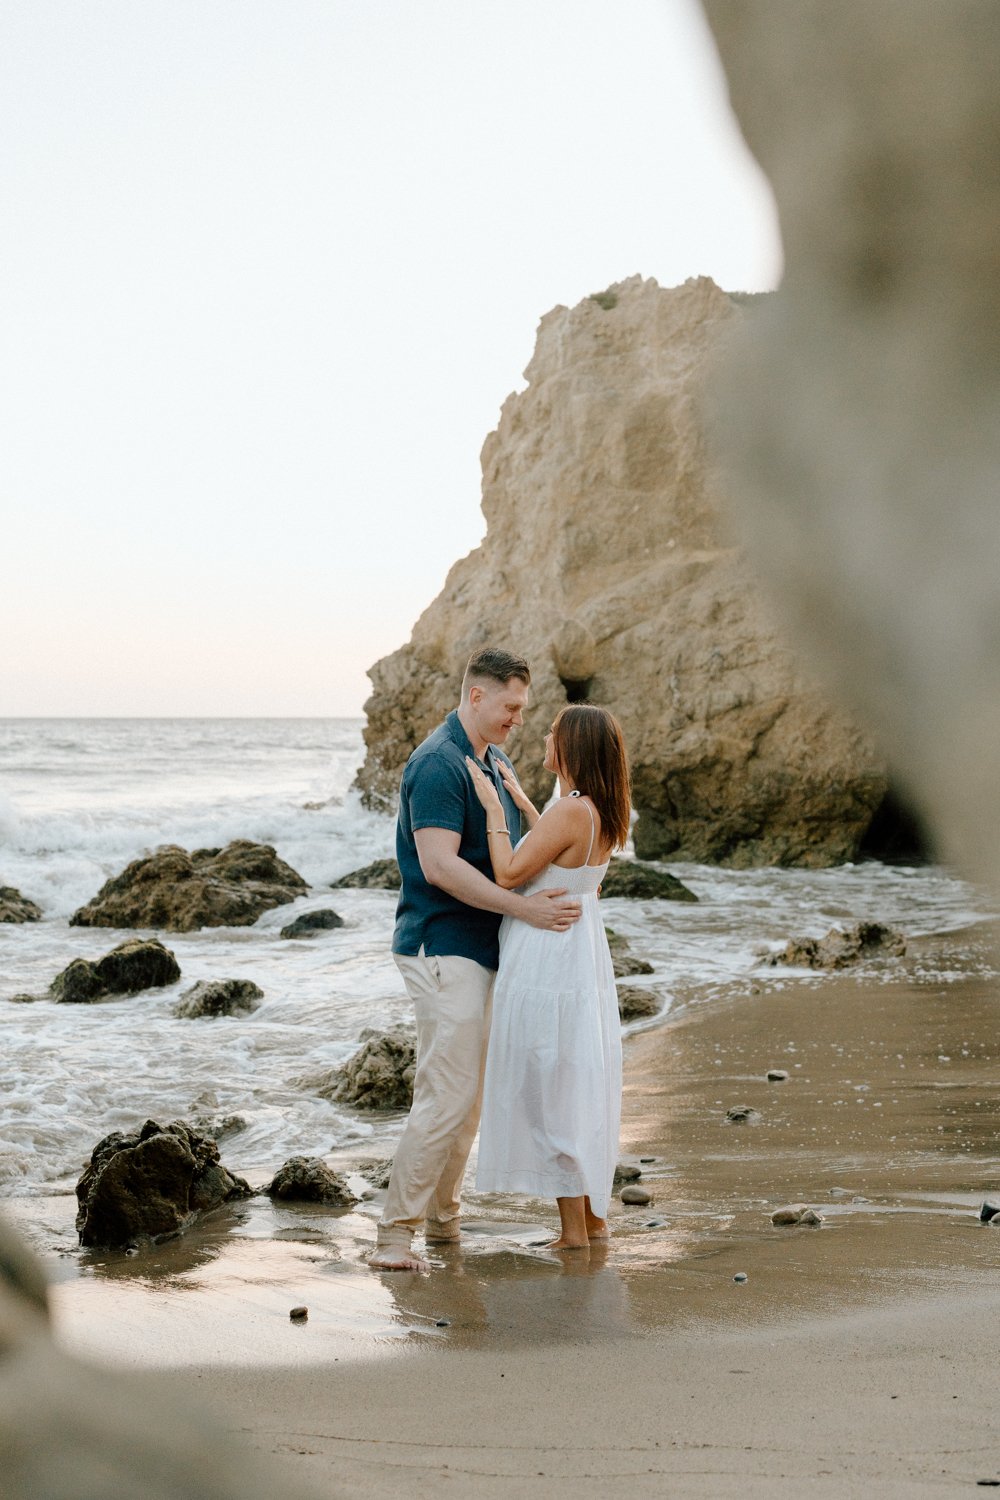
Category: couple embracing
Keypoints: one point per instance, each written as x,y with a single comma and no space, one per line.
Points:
488,922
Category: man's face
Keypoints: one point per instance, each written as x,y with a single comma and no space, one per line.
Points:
498,708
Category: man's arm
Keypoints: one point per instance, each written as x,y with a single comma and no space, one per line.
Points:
443,866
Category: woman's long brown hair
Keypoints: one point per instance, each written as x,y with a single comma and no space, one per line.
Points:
589,748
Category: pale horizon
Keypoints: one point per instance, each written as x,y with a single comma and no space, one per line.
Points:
267,281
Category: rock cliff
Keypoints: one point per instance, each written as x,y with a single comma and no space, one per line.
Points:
605,562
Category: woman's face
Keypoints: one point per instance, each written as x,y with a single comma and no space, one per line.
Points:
550,763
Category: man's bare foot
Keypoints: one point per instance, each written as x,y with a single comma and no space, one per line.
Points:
396,1259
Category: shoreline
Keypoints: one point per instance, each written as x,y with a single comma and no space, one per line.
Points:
647,1360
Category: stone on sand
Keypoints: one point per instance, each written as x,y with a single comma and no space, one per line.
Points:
741,1114
311,922
17,908
623,960
839,949
643,882
380,875
135,965
378,1076
151,1184
634,1194
307,1179
635,1002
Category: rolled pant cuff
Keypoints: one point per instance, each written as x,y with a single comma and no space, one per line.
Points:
394,1237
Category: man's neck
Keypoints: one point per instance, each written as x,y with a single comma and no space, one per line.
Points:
478,744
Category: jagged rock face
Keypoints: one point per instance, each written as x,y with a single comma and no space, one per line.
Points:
606,565
379,1075
180,892
151,1183
839,949
380,875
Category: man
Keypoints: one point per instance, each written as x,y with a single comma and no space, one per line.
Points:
446,945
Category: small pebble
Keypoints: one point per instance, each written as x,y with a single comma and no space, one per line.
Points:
636,1194
741,1114
645,1160
811,1217
299,1314
654,1223
776,1075
791,1213
131,1250
442,1323
989,1211
740,1277
627,1171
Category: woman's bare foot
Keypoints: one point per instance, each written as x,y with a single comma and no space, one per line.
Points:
563,1244
597,1229
389,1258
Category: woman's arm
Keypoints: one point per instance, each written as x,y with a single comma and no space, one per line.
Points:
552,835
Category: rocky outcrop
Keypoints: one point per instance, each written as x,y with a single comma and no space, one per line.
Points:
311,922
150,1185
180,892
219,997
840,949
17,908
381,874
308,1179
135,965
606,564
378,1076
629,877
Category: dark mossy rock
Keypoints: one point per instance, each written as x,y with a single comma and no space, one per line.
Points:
378,1076
135,965
623,959
840,949
307,1179
17,908
151,1184
629,877
219,997
180,892
635,1003
381,874
311,922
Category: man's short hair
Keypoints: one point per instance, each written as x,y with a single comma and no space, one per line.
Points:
498,666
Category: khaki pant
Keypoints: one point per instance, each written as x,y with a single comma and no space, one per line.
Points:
452,999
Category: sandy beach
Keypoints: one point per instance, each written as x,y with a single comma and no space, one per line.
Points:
856,1353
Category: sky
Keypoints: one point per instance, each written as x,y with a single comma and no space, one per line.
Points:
269,270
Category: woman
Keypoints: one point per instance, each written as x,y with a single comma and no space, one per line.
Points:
552,1094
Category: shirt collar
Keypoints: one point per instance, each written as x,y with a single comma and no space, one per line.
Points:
457,731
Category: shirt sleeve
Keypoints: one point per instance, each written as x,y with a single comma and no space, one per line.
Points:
437,795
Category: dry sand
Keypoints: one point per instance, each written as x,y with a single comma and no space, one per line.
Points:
857,1355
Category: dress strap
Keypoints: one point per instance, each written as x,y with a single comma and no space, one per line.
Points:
593,826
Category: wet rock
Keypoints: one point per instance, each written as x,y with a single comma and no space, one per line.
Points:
219,997
742,1114
217,1126
840,949
634,1002
627,1171
796,1213
17,908
380,875
151,1184
622,959
135,965
181,892
307,1179
376,1171
634,1194
311,922
989,1211
776,1075
299,1314
642,882
740,1277
379,1075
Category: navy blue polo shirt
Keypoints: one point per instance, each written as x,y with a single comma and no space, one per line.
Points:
436,792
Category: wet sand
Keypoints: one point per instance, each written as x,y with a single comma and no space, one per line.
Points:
861,1352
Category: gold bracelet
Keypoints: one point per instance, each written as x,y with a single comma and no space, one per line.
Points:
491,831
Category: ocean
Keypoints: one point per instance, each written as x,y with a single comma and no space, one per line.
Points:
80,798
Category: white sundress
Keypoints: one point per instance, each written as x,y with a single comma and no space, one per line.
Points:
552,1092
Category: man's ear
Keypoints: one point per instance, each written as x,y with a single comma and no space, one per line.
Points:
475,695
